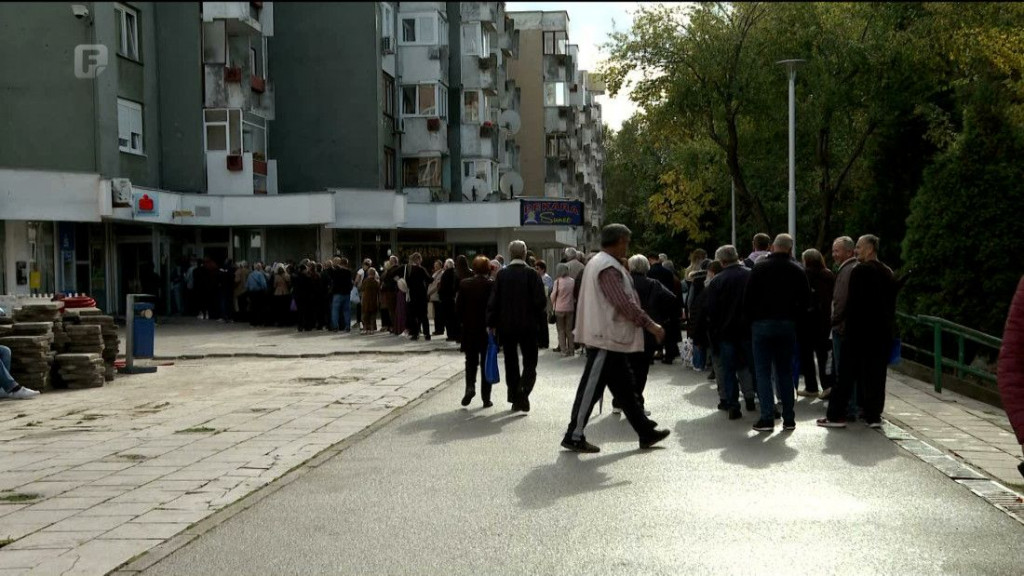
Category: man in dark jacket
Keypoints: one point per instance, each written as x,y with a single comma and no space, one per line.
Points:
776,297
419,280
662,306
516,311
728,328
867,344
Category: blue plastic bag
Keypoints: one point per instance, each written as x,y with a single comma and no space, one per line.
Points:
491,361
895,353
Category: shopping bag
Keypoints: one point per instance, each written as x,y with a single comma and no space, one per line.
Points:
491,361
353,296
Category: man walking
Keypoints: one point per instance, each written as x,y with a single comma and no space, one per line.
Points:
777,295
729,329
516,311
611,324
870,314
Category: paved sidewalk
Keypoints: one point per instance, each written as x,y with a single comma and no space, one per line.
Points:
120,469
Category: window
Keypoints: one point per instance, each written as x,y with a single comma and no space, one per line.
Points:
128,30
387,29
471,106
475,40
129,126
389,95
215,43
555,94
421,172
485,170
557,147
389,168
425,100
224,132
556,43
424,29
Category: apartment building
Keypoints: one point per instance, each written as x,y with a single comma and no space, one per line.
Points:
142,133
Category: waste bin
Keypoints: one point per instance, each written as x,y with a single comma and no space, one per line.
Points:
143,330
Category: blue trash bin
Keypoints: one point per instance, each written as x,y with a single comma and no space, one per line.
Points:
143,330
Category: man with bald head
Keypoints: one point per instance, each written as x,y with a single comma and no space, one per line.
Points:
776,297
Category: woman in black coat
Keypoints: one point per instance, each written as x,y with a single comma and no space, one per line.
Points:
816,327
661,305
471,310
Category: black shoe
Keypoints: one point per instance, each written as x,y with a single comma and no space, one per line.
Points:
415,338
488,403
764,426
778,415
711,376
750,405
470,394
580,446
516,407
791,425
735,414
655,437
524,404
722,405
667,360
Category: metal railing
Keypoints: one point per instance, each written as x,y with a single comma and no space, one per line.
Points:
940,327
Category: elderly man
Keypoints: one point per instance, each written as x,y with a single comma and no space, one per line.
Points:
729,329
516,312
870,315
418,280
611,325
776,297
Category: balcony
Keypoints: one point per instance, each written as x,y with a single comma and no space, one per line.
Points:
245,18
240,174
419,139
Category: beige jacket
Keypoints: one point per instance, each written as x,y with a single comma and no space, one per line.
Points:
598,322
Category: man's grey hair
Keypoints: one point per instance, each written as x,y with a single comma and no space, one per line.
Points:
561,270
570,252
846,242
784,242
612,234
517,250
663,257
668,265
727,255
872,240
639,264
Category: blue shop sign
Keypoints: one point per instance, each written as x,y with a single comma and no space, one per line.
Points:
550,213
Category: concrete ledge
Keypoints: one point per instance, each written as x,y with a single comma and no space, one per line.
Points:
973,390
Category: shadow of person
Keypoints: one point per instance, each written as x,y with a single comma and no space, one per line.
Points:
859,445
570,475
461,424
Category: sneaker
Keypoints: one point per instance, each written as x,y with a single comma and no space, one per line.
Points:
23,394
735,414
616,410
580,446
791,425
826,423
750,405
764,426
808,393
655,437
824,394
873,424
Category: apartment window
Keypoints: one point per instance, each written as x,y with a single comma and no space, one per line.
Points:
555,94
425,100
129,126
389,95
215,43
224,131
556,43
389,168
557,147
422,29
387,29
485,170
471,106
128,30
421,172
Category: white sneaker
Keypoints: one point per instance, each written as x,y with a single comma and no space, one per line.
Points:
616,410
23,393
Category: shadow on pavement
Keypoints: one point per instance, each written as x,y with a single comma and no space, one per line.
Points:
571,474
463,424
849,444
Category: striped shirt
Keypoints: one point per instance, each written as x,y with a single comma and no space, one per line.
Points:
610,281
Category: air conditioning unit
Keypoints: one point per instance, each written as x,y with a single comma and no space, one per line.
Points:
121,192
387,45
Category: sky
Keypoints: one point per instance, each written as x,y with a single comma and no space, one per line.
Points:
589,26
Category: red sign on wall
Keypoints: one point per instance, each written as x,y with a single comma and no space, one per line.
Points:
145,205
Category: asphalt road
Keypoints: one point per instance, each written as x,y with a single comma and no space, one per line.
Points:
448,490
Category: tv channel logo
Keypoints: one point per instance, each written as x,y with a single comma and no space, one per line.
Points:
90,60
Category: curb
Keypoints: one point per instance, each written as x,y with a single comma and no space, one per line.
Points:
158,553
302,355
991,491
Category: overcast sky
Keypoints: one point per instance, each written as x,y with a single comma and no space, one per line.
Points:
589,26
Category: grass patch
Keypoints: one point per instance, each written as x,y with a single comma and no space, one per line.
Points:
36,423
197,430
21,415
161,405
14,497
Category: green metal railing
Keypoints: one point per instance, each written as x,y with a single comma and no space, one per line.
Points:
940,327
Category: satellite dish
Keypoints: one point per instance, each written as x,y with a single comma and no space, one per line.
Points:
511,184
509,120
475,189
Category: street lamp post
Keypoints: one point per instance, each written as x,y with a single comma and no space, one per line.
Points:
734,212
791,68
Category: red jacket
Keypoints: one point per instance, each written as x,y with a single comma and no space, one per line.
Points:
1010,374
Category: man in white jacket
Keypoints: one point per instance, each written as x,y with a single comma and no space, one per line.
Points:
611,324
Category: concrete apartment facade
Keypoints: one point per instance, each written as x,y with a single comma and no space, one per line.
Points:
257,131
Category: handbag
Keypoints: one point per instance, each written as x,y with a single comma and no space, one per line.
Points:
491,361
403,284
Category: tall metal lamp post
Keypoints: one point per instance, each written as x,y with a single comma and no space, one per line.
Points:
791,68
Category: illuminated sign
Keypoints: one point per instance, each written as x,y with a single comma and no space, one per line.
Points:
550,213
